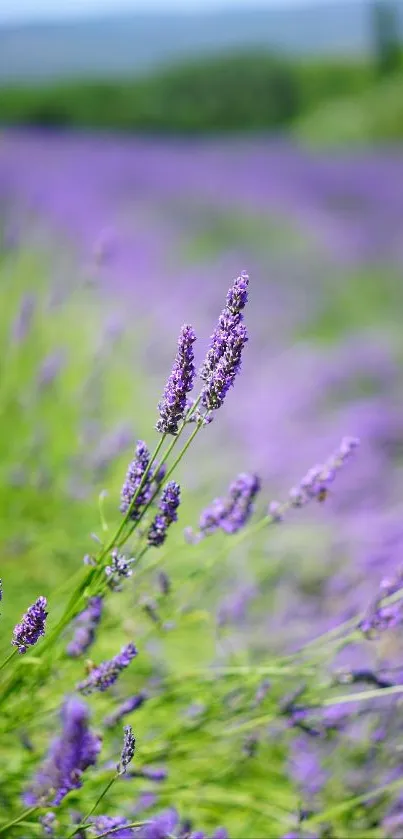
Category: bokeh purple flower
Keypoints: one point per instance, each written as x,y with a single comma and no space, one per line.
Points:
231,512
86,624
126,707
70,754
161,825
102,677
104,824
23,320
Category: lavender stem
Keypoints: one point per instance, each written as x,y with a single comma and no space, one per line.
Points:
84,823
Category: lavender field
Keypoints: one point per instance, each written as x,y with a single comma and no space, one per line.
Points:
264,685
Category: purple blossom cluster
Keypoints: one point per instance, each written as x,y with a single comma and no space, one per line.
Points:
172,407
104,824
133,498
230,317
223,361
128,749
120,568
381,616
86,625
230,513
316,483
140,483
126,707
31,627
69,756
102,677
168,506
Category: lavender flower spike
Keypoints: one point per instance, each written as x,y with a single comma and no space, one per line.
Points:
237,296
230,317
168,505
69,756
32,626
172,407
106,674
316,483
104,824
224,373
126,707
162,825
86,622
243,492
134,477
129,747
380,617
232,512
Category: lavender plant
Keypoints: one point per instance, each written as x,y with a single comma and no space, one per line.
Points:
245,740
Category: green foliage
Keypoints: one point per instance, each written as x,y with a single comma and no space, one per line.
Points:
375,116
240,92
386,42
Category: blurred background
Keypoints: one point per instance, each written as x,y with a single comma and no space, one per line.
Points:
149,152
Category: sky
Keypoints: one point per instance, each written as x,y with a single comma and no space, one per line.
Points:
30,10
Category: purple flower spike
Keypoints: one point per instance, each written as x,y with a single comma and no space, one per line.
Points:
153,773
316,483
232,512
380,617
126,707
69,756
129,747
162,825
168,505
23,320
172,407
237,296
32,626
228,321
48,824
119,569
134,477
224,373
107,823
106,674
86,623
220,833
242,492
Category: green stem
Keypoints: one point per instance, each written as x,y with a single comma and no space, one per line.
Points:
84,823
173,467
9,657
362,695
338,809
167,476
346,627
126,518
113,830
19,819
